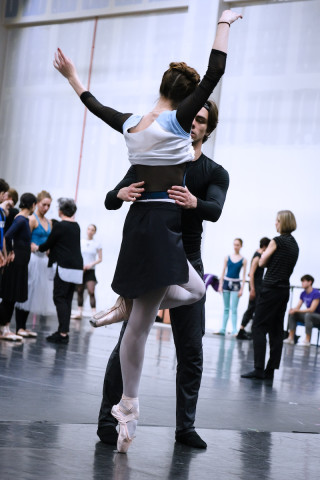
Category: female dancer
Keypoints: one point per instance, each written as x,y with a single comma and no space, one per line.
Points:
14,286
152,268
39,286
92,255
231,286
280,258
64,245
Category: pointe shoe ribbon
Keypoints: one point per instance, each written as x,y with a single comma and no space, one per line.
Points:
124,439
119,312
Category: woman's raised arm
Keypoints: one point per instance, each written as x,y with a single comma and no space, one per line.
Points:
222,32
66,67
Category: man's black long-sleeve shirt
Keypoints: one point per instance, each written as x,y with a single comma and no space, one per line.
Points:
207,181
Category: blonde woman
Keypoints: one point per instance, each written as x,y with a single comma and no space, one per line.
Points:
280,258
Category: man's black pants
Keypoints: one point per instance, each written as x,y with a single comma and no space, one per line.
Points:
268,319
188,328
249,313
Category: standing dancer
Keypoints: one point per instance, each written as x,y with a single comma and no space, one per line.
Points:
280,258
39,286
14,287
64,245
91,251
152,268
202,199
255,283
230,285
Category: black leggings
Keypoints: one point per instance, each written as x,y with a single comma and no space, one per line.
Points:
21,319
6,311
90,284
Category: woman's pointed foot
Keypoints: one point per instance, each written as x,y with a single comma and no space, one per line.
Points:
119,312
127,415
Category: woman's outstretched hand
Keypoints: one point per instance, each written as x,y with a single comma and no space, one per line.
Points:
64,65
229,16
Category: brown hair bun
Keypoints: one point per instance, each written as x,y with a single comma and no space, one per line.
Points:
178,82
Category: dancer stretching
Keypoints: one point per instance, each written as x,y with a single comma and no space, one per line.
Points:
152,268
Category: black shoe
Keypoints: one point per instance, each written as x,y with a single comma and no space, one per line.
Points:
57,338
243,335
192,439
108,434
269,374
256,373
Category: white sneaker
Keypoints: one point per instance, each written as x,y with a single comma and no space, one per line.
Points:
305,343
288,341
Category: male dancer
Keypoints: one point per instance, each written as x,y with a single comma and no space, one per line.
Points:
202,199
256,276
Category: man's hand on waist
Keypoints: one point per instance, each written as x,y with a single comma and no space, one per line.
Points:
183,197
131,193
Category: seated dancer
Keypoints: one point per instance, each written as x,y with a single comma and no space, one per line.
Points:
152,268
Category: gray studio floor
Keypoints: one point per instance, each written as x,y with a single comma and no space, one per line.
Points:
50,397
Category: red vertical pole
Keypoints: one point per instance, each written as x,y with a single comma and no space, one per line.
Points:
85,110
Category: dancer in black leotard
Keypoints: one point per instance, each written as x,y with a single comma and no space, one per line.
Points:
152,268
14,287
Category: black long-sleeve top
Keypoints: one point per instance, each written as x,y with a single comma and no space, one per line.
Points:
207,181
186,110
19,234
64,245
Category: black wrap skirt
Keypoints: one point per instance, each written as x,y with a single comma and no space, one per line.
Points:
14,285
152,253
89,276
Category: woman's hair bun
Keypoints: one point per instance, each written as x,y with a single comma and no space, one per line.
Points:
187,71
178,82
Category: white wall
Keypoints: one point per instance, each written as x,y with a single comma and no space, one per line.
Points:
266,137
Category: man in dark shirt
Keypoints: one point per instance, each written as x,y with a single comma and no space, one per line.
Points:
202,199
255,275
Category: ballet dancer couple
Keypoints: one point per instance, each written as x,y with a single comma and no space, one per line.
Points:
154,269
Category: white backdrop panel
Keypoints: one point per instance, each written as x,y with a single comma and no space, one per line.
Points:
268,137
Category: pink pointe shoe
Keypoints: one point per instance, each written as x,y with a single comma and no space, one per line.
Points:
119,312
124,439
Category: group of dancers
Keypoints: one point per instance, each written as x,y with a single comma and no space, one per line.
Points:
30,246
173,188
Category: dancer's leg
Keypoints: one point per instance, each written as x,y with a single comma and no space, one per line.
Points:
143,314
226,302
174,296
80,291
185,294
234,311
91,284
